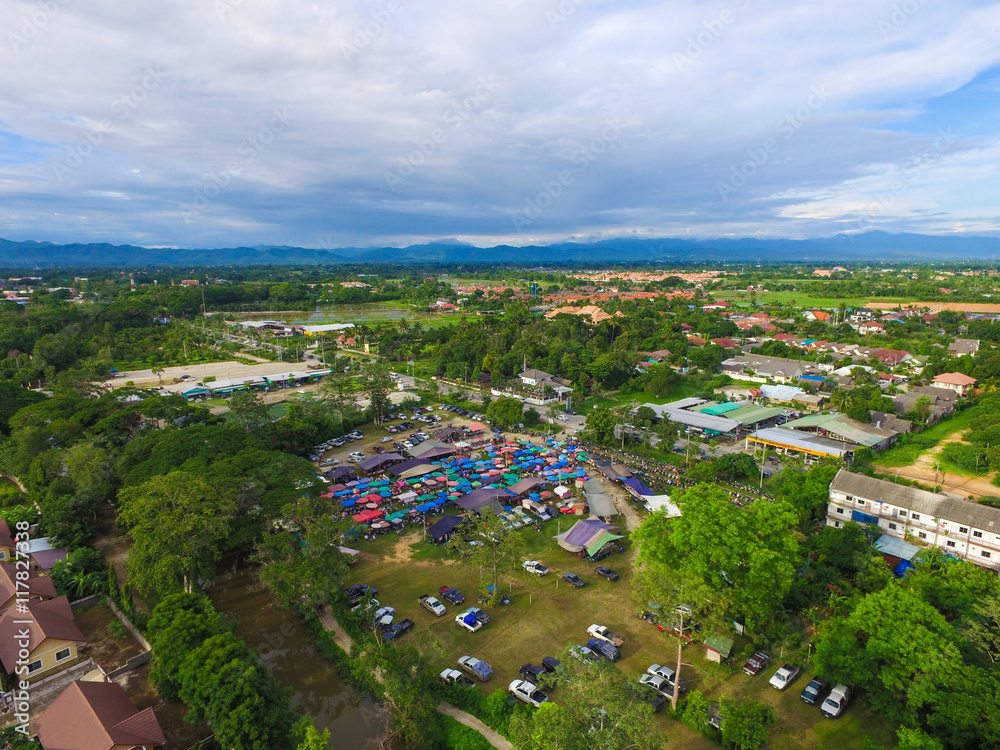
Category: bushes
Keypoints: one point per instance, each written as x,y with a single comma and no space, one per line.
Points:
460,737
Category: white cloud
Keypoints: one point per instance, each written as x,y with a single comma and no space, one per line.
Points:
183,95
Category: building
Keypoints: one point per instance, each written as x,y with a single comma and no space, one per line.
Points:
962,528
324,329
795,442
38,587
97,716
52,638
954,381
963,347
760,367
882,432
940,401
7,545
189,282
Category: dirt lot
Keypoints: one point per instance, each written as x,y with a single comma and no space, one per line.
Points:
106,650
923,470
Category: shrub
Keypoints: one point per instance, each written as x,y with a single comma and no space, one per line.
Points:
460,737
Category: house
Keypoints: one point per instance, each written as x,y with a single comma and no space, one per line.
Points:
97,716
52,638
716,306
696,340
760,367
39,587
189,282
534,377
962,528
7,544
954,381
879,434
963,347
817,315
870,327
940,401
862,315
892,357
726,343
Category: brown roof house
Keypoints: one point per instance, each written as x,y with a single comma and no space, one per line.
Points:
47,631
38,587
97,716
7,544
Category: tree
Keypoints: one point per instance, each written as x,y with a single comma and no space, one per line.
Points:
551,726
746,722
505,411
178,624
601,425
696,711
983,629
311,738
337,387
248,410
178,523
915,739
499,551
308,570
377,383
11,739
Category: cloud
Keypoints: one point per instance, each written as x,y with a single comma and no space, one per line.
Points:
406,120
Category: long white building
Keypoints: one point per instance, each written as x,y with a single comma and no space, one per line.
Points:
962,528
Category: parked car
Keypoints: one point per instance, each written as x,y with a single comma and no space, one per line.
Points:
606,551
836,701
574,580
533,566
668,674
784,676
356,457
451,594
397,629
480,615
531,673
604,572
602,632
454,677
359,590
550,664
604,648
431,605
525,692
755,663
657,684
468,621
813,692
714,717
475,667
654,699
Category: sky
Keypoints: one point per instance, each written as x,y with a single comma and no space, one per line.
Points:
325,124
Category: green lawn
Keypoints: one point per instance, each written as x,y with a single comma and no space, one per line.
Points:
802,299
546,616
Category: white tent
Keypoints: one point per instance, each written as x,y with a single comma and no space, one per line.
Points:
656,502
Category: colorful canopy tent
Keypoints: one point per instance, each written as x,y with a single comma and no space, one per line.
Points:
595,544
581,534
431,449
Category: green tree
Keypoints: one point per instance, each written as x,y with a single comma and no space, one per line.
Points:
983,628
601,425
311,738
746,722
915,739
178,523
11,739
178,624
377,383
308,571
498,553
696,711
247,409
505,411
551,726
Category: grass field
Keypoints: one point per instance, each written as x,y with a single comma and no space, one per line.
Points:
802,299
378,312
908,452
546,616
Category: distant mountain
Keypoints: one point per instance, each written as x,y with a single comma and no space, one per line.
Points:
872,247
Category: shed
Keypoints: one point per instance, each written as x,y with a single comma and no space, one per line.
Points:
717,647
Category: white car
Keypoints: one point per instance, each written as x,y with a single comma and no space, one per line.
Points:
302,390
330,461
533,566
468,621
356,456
657,684
783,677
525,692
668,674
836,701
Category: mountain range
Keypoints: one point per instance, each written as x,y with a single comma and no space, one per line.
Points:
872,247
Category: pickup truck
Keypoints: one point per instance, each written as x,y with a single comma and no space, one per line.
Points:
452,595
533,566
397,629
469,621
602,633
784,676
525,692
756,663
605,649
431,604
475,667
454,677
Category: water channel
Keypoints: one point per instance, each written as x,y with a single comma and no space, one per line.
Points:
285,647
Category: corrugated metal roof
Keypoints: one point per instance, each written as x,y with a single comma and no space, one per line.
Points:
718,409
940,506
750,415
890,545
802,441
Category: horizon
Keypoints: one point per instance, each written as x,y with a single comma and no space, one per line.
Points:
381,124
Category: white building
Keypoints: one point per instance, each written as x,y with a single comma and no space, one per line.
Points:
962,528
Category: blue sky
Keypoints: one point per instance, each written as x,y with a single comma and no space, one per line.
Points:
209,123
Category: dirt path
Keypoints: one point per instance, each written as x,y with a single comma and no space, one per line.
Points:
492,736
923,470
339,635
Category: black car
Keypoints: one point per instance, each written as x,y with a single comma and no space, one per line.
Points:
605,649
358,591
550,664
574,580
397,629
531,673
645,694
813,692
604,572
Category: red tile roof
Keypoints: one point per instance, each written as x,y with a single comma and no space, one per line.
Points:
96,716
52,618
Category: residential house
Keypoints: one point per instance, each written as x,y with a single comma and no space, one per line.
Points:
534,377
759,367
7,544
726,343
38,586
52,638
97,716
963,347
723,305
954,381
962,528
940,401
870,327
892,357
862,315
